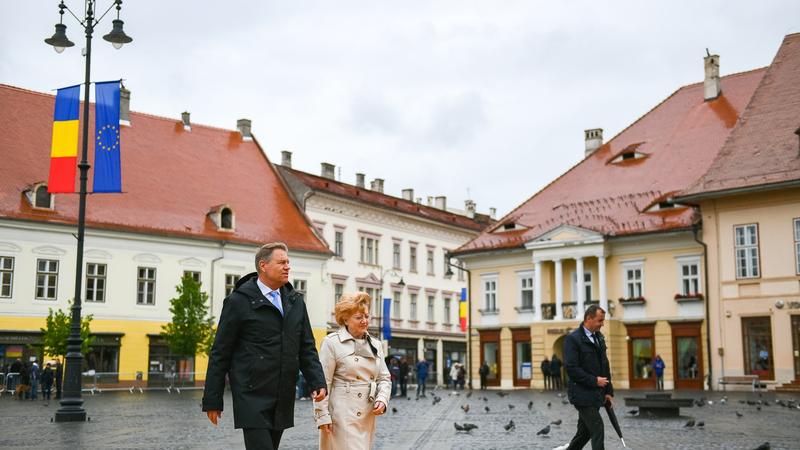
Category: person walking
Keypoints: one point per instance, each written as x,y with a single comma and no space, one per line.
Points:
454,374
47,383
658,368
484,373
59,373
263,338
422,377
404,370
359,381
548,381
462,374
34,375
394,370
557,378
589,386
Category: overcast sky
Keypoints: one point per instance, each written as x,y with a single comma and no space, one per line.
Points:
456,98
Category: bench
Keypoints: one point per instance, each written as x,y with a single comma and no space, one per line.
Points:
752,380
659,405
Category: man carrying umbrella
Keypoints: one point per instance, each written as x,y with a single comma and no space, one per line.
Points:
589,387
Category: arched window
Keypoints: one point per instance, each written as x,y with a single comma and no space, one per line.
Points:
42,198
226,219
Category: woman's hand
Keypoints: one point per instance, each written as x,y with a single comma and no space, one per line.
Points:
326,428
379,408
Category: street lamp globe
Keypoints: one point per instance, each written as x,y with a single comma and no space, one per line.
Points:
59,40
117,36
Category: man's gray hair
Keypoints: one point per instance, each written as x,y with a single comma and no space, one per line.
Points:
591,312
265,252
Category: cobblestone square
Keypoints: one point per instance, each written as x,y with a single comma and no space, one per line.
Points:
174,421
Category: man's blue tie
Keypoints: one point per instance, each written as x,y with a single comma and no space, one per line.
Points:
273,297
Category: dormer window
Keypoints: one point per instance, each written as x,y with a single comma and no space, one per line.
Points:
223,218
628,154
38,197
508,226
226,219
664,205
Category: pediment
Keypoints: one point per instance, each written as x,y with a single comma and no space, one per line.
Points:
10,247
49,250
97,254
370,279
192,262
147,258
565,235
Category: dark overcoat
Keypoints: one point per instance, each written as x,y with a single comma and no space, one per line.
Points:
261,352
584,362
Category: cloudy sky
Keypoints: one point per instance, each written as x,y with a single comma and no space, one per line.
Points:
486,100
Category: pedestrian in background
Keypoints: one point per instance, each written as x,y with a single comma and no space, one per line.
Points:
34,374
462,373
454,374
658,367
557,378
394,371
57,378
422,377
24,385
404,370
548,381
484,373
47,383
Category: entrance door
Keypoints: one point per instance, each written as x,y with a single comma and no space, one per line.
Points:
687,355
523,365
490,354
796,346
641,351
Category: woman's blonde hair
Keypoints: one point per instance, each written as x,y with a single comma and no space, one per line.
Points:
350,304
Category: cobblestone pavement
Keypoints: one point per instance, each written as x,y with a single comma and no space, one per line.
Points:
174,421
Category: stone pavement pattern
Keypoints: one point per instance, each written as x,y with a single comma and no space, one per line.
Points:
159,420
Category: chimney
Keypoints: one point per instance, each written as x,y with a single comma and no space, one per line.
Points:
430,200
493,213
441,202
286,158
469,206
594,140
712,86
243,125
124,106
360,180
377,185
408,194
419,199
328,171
187,124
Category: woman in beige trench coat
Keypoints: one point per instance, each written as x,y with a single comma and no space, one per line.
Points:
358,380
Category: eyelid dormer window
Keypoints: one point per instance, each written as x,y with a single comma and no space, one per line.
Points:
223,217
628,154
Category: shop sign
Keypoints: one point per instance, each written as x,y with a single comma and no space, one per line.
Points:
559,330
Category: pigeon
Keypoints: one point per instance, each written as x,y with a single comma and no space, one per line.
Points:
465,407
530,405
485,399
502,394
633,412
689,424
436,399
699,403
510,425
544,431
710,402
469,394
738,414
724,401
458,427
548,404
510,407
556,422
751,402
394,410
764,446
486,408
758,408
701,424
469,427
564,401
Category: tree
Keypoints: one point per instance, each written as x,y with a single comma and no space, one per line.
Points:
192,328
56,332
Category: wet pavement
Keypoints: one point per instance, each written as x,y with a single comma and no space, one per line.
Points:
158,420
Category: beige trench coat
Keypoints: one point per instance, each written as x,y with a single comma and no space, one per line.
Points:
350,376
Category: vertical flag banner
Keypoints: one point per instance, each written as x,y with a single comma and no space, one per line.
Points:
462,309
107,170
387,322
64,147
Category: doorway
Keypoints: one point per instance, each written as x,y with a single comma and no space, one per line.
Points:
687,355
641,351
796,346
523,364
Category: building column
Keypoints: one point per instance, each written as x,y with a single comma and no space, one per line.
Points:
440,362
559,291
601,274
537,291
579,286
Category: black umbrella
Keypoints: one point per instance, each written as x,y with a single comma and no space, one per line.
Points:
612,417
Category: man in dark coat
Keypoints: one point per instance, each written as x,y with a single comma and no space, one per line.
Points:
545,366
589,386
264,337
404,370
555,373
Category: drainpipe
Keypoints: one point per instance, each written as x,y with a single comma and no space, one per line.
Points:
695,232
213,264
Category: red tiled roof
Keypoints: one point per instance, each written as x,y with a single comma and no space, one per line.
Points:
679,139
763,149
171,179
378,199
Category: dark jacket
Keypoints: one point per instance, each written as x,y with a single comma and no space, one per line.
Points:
422,370
261,351
404,370
585,362
555,366
47,377
545,366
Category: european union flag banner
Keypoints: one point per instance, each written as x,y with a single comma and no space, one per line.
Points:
107,170
387,318
64,146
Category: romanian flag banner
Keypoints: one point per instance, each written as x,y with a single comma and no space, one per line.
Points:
107,170
64,147
462,309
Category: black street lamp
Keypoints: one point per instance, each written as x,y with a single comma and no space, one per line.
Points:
71,409
448,274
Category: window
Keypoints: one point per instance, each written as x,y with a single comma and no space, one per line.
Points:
430,261
43,198
369,250
746,249
338,290
146,286
431,305
757,340
230,283
412,258
226,219
689,273
300,286
633,281
396,304
194,274
412,311
95,282
6,276
446,311
587,285
338,243
490,294
526,290
396,255
46,279
797,245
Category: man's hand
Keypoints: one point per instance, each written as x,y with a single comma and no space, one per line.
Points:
326,428
319,395
379,408
214,415
602,381
609,400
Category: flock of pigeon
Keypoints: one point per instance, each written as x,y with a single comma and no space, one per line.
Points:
510,426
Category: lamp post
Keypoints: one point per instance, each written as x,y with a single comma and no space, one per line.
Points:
449,273
402,283
71,405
